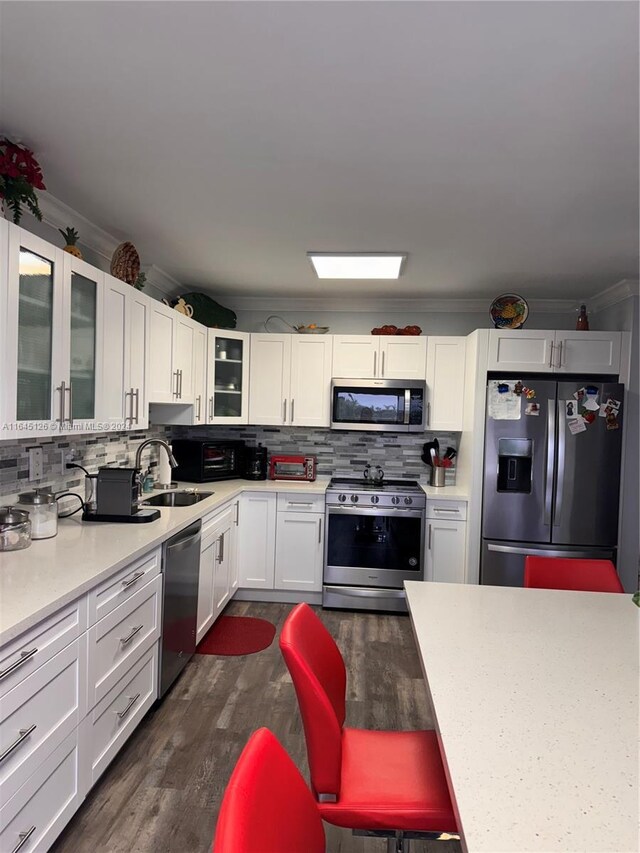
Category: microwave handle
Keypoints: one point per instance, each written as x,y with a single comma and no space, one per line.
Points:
407,405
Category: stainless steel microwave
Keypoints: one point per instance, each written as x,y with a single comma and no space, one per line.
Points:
390,405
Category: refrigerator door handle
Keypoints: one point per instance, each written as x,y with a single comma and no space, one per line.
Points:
551,454
561,460
542,552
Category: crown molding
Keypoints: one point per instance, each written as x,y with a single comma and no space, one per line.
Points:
388,305
618,292
58,214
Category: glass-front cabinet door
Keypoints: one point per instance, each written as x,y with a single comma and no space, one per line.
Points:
34,393
227,377
52,304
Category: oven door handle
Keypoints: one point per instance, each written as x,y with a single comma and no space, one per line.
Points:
382,511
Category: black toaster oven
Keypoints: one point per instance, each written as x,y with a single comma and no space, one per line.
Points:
203,460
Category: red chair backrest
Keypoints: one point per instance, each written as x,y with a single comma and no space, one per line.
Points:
267,807
320,681
578,574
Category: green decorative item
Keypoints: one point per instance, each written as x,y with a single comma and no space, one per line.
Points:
140,281
71,238
636,598
208,312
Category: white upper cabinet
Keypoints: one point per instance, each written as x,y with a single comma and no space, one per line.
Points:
124,356
517,349
554,352
379,357
227,377
290,380
310,380
171,369
445,382
52,336
588,352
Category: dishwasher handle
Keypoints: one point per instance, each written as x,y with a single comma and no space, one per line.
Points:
184,540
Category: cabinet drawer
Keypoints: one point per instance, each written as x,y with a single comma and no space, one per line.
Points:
114,719
454,510
117,589
22,656
39,714
300,503
45,803
117,641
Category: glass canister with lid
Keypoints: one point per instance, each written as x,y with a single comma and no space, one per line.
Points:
43,512
15,529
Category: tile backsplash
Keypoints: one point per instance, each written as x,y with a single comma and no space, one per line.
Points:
340,452
91,450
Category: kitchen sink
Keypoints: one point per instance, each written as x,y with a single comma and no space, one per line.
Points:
176,499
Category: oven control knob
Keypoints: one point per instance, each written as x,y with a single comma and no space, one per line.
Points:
354,499
375,499
408,500
395,499
342,498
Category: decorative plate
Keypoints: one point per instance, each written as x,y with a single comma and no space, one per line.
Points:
125,263
509,311
311,330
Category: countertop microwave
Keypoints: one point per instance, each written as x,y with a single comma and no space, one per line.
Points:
391,405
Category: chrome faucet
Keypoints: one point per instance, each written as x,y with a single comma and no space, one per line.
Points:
141,447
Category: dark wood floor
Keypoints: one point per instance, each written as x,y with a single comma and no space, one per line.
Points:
163,791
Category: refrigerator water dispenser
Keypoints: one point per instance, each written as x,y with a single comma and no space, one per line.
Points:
515,456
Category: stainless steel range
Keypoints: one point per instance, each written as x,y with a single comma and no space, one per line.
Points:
374,541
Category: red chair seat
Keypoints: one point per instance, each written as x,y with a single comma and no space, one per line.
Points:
390,780
572,574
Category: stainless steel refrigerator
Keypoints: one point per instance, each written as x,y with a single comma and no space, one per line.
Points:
551,473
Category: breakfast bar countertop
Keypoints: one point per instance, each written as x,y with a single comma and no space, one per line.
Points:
535,695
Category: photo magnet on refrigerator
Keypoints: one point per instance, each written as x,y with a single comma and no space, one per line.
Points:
571,408
532,409
577,426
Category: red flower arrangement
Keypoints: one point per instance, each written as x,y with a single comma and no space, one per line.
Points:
20,177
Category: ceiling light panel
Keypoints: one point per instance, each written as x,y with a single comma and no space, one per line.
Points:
353,266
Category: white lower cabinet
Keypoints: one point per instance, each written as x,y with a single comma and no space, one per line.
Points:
445,555
281,541
33,818
257,540
74,687
218,567
113,719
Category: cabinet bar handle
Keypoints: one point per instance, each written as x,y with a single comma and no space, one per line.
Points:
70,392
375,360
320,530
24,837
129,637
24,657
293,402
126,416
23,734
560,354
551,355
300,503
429,413
132,580
284,416
210,408
237,518
175,373
221,548
122,714
383,363
60,388
429,544
137,396
199,399
442,509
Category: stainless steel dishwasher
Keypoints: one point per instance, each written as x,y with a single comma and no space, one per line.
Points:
181,569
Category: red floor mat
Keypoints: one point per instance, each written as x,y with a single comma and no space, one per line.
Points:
237,635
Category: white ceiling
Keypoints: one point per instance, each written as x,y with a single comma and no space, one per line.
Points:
495,143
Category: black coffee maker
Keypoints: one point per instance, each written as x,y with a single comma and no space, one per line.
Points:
256,463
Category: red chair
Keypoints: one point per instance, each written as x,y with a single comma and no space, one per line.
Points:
385,781
561,573
267,807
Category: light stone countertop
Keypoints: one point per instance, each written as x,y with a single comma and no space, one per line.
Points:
50,573
535,694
